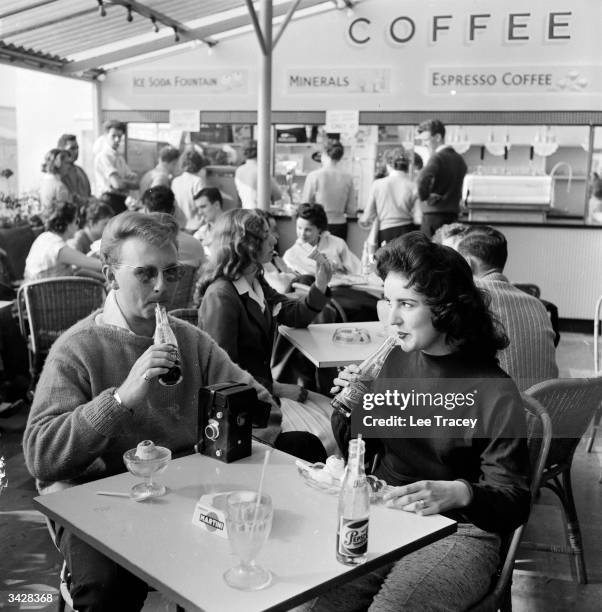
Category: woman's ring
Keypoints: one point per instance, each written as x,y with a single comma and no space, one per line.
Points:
146,378
420,504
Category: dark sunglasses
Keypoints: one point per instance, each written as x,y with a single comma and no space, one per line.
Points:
148,274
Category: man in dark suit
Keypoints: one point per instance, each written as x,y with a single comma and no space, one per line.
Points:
440,181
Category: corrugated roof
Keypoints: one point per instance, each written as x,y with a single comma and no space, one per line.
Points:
68,36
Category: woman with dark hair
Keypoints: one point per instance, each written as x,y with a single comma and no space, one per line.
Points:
241,312
474,470
312,234
332,188
54,168
314,238
49,254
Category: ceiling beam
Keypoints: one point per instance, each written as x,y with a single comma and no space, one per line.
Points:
184,32
23,59
202,33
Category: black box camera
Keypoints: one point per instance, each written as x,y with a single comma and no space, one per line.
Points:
227,414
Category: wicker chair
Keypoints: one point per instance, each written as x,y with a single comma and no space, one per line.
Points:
539,437
182,297
50,306
571,405
190,315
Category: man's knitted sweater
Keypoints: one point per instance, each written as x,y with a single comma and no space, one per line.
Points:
78,432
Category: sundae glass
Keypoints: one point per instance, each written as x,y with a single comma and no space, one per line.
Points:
145,461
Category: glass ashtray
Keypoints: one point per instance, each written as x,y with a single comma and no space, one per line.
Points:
351,335
311,475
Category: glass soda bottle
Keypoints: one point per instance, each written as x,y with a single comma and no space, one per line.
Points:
367,258
354,508
352,396
164,335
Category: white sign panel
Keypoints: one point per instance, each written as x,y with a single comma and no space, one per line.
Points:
186,82
514,79
342,121
338,80
184,120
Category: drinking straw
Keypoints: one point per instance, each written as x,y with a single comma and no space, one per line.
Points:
266,458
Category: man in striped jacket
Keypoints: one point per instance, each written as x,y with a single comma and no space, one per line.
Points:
530,357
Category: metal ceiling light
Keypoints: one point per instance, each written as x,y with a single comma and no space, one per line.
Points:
130,17
154,22
101,8
176,36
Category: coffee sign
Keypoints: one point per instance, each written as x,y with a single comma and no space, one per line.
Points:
517,26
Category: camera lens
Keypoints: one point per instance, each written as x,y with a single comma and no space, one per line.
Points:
212,430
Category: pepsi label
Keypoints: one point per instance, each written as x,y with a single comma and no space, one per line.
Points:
353,536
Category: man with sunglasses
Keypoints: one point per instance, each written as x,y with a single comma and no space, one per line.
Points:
98,394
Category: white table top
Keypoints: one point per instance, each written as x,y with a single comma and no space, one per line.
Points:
157,541
315,342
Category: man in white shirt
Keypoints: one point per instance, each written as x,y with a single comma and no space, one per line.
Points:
187,185
111,172
245,179
161,199
209,204
332,188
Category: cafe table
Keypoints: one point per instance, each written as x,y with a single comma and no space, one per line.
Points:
157,540
316,342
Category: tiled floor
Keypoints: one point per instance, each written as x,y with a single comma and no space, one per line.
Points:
542,582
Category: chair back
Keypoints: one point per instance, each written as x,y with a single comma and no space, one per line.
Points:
539,438
571,404
17,241
182,297
50,306
190,315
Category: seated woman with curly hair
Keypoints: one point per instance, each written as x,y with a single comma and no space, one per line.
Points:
49,254
476,474
241,312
